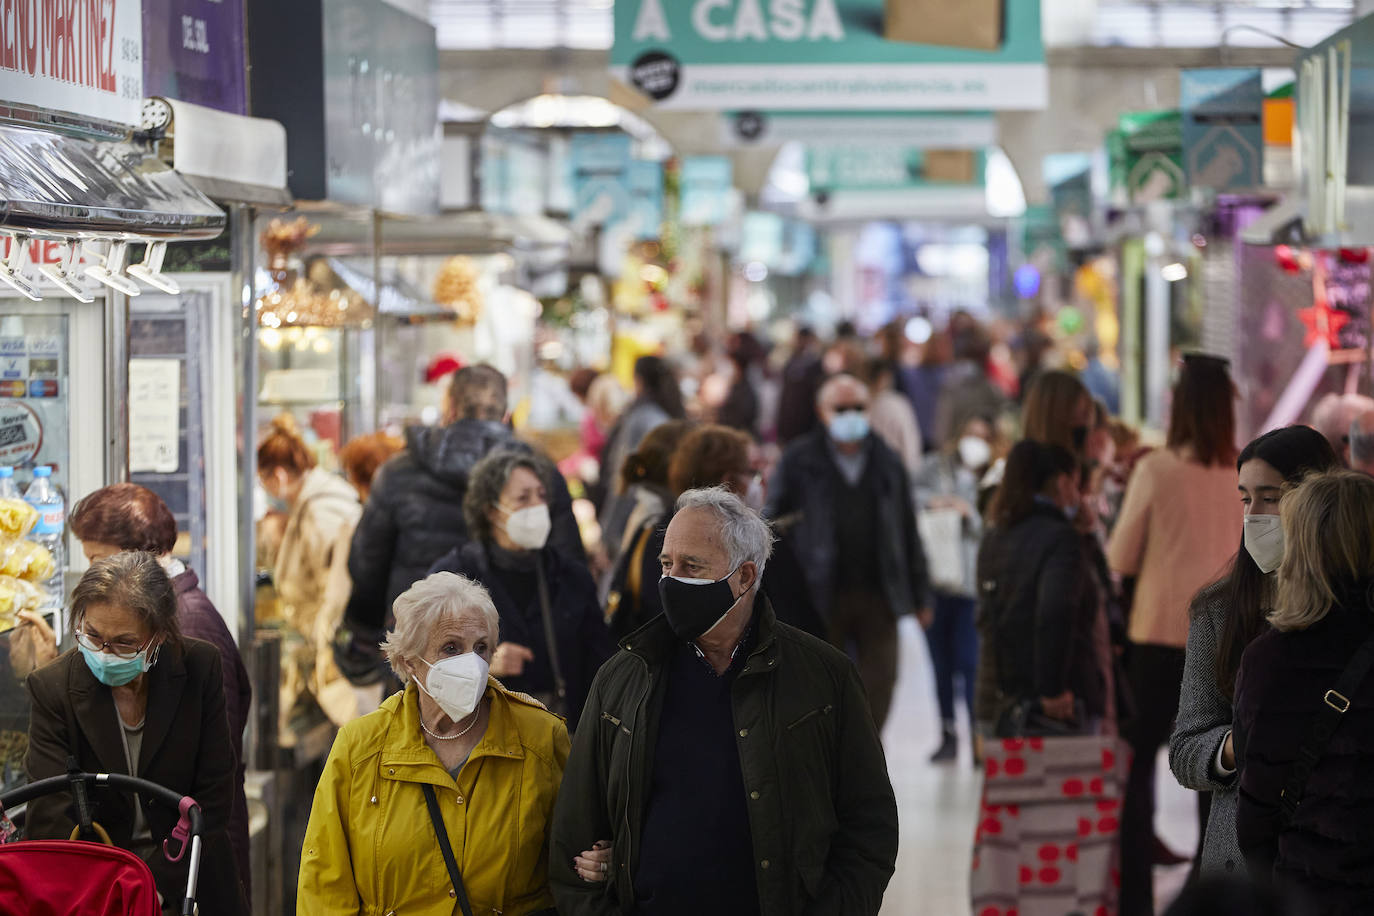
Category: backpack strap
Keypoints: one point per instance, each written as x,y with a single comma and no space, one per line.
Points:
1335,704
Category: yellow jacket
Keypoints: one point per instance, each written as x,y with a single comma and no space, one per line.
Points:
370,848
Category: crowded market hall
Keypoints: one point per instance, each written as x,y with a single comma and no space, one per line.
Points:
406,405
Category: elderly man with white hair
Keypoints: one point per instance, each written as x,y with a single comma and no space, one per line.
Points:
440,801
726,763
845,500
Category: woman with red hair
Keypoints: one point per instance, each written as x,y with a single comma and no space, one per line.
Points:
126,517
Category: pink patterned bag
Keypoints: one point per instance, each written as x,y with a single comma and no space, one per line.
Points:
1047,841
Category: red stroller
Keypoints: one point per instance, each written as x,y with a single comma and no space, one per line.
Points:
80,878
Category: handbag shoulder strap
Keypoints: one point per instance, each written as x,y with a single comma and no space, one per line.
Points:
560,686
432,803
1335,704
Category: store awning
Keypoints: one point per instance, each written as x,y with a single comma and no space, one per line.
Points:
60,186
231,158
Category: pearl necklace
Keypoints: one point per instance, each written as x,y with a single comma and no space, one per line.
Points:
476,716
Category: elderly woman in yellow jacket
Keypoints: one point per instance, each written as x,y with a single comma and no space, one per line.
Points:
456,749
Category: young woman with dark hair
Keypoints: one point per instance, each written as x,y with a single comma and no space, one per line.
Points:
1227,616
1177,531
1038,604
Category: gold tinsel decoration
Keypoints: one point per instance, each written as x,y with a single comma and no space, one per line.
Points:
457,288
313,297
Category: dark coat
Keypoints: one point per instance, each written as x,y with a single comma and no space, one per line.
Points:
802,376
414,514
1327,853
784,584
199,619
186,748
583,641
1037,609
821,808
801,502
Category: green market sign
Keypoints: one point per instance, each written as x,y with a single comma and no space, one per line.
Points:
1146,155
732,55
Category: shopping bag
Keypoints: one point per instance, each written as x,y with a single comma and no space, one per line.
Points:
1047,841
942,536
975,24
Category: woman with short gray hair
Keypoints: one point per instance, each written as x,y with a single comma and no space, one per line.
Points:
455,740
553,635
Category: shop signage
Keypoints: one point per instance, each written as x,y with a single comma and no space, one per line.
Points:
1223,128
1146,154
83,58
819,54
48,253
193,51
600,170
707,190
882,167
921,130
646,199
356,84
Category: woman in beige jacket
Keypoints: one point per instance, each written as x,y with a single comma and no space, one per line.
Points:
311,569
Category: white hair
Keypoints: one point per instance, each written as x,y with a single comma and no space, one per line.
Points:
746,536
425,605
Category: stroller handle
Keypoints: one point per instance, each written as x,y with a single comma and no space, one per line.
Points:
188,832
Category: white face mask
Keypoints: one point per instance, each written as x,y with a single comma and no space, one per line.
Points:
974,452
529,528
1264,541
456,683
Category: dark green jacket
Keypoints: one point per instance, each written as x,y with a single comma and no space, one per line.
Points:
821,808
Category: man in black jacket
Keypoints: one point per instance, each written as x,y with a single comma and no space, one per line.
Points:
845,499
414,514
725,762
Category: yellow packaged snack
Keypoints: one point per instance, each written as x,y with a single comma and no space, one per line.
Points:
26,560
17,517
27,596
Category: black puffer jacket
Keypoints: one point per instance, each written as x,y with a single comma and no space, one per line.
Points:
415,513
1037,608
1326,855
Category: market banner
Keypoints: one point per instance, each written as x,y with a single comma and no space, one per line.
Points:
1223,128
193,52
921,130
84,59
832,54
707,190
600,170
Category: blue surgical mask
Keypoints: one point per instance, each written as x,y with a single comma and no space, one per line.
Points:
113,671
849,427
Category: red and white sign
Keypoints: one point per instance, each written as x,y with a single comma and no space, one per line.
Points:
45,253
83,57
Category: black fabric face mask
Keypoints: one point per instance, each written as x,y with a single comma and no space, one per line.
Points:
693,608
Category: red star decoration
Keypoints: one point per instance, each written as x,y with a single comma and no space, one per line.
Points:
1323,324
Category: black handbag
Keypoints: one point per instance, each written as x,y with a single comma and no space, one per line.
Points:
1026,719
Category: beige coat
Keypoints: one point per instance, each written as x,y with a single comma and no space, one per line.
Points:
311,577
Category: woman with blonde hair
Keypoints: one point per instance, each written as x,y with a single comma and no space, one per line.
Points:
310,572
1304,722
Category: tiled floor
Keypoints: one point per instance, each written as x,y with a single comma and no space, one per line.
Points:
937,805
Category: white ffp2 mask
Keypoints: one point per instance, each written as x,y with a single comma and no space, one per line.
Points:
1264,541
529,528
456,683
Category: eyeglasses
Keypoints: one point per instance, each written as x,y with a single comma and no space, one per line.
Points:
851,408
120,648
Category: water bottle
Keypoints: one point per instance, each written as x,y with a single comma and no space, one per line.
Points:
8,488
52,522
